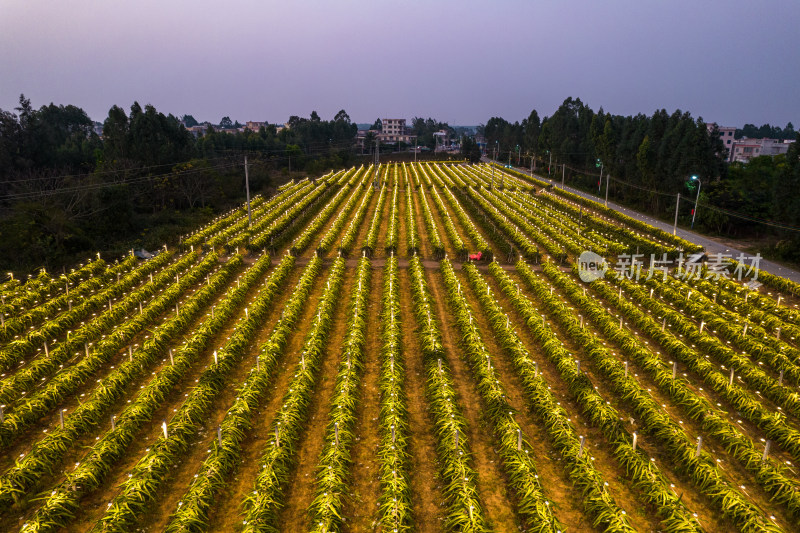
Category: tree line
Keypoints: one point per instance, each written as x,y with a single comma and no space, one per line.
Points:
650,159
765,131
67,191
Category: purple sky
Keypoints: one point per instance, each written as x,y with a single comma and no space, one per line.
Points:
731,62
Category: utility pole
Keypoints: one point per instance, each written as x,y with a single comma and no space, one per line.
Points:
375,172
675,225
563,172
493,163
533,162
376,165
550,164
377,154
600,181
697,199
492,175
247,188
608,174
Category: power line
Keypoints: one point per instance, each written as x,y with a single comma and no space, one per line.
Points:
96,186
751,219
230,153
698,204
238,152
310,150
319,148
104,172
639,187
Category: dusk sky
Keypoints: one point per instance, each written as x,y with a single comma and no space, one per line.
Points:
461,62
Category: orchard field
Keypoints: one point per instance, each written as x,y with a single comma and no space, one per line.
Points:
341,364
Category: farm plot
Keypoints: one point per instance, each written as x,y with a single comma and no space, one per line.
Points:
337,362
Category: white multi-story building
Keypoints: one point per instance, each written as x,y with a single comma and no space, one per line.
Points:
742,150
745,149
395,130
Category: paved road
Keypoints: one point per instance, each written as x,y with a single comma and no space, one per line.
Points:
711,247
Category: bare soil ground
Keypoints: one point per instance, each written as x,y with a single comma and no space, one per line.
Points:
493,489
300,489
426,494
365,491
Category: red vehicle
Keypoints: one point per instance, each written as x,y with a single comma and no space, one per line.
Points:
476,257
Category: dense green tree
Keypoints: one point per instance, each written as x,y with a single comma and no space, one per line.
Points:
316,136
64,190
425,128
342,130
470,149
644,160
155,138
10,139
52,136
294,121
369,142
500,136
649,157
766,131
342,116
115,134
533,126
294,156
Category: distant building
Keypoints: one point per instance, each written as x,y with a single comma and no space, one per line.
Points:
394,130
254,126
726,135
361,136
199,130
745,149
445,142
393,126
742,150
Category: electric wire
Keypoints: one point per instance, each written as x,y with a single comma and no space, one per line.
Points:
698,204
